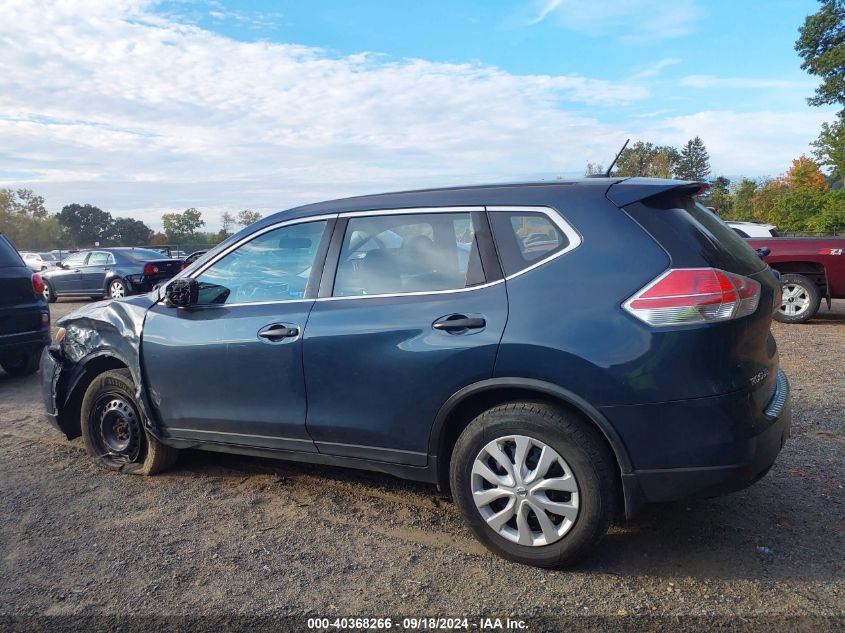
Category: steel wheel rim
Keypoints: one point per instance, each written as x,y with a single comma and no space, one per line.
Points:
525,491
118,427
795,300
117,291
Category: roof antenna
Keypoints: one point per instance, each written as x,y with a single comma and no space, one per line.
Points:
613,163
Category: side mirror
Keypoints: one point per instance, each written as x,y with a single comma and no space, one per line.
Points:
762,252
181,293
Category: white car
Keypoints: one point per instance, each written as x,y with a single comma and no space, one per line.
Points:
753,229
39,261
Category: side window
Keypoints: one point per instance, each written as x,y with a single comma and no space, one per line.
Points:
274,266
739,232
75,259
98,259
525,237
421,252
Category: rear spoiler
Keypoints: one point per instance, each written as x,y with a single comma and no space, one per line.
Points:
633,190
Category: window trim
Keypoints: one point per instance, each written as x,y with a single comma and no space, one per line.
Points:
326,262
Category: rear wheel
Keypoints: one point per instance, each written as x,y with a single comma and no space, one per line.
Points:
800,301
21,364
49,292
113,428
536,484
117,289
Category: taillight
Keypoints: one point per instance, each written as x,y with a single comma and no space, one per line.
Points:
150,269
694,295
37,284
183,265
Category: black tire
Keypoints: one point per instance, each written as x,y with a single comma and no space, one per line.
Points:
113,285
577,442
22,364
109,403
49,292
808,293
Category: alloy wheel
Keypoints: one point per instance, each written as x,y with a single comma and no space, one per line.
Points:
524,490
116,290
795,301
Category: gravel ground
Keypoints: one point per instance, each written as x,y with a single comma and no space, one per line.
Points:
227,534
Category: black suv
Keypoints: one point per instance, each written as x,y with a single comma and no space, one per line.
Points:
24,317
553,353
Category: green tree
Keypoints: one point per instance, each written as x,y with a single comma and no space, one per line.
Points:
830,147
130,232
719,196
594,169
182,227
247,217
647,159
86,224
693,162
742,196
831,218
821,44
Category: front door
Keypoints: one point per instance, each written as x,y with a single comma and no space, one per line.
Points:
412,316
67,278
230,369
92,276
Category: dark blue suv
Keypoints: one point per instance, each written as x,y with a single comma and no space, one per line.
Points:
554,354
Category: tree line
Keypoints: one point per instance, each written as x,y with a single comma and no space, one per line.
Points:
25,220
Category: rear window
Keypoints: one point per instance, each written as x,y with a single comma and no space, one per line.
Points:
690,233
8,255
143,254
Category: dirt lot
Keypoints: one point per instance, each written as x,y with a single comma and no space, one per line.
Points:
231,534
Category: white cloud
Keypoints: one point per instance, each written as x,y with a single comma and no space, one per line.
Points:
632,20
751,144
111,104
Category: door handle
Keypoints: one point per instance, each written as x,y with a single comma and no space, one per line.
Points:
458,322
279,332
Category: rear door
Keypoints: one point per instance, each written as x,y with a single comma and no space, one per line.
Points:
411,309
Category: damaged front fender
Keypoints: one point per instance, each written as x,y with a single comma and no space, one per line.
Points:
100,336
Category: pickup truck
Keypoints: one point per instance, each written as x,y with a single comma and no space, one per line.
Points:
811,268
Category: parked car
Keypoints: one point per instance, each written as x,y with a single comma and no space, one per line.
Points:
24,317
753,229
190,259
110,272
628,360
811,269
39,261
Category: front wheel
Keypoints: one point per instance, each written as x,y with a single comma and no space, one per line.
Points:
113,428
535,483
800,300
117,289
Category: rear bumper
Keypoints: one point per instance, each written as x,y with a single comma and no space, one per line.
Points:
24,341
701,448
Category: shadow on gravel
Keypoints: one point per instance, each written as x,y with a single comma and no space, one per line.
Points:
756,533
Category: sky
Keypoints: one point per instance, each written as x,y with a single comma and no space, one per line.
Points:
143,107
